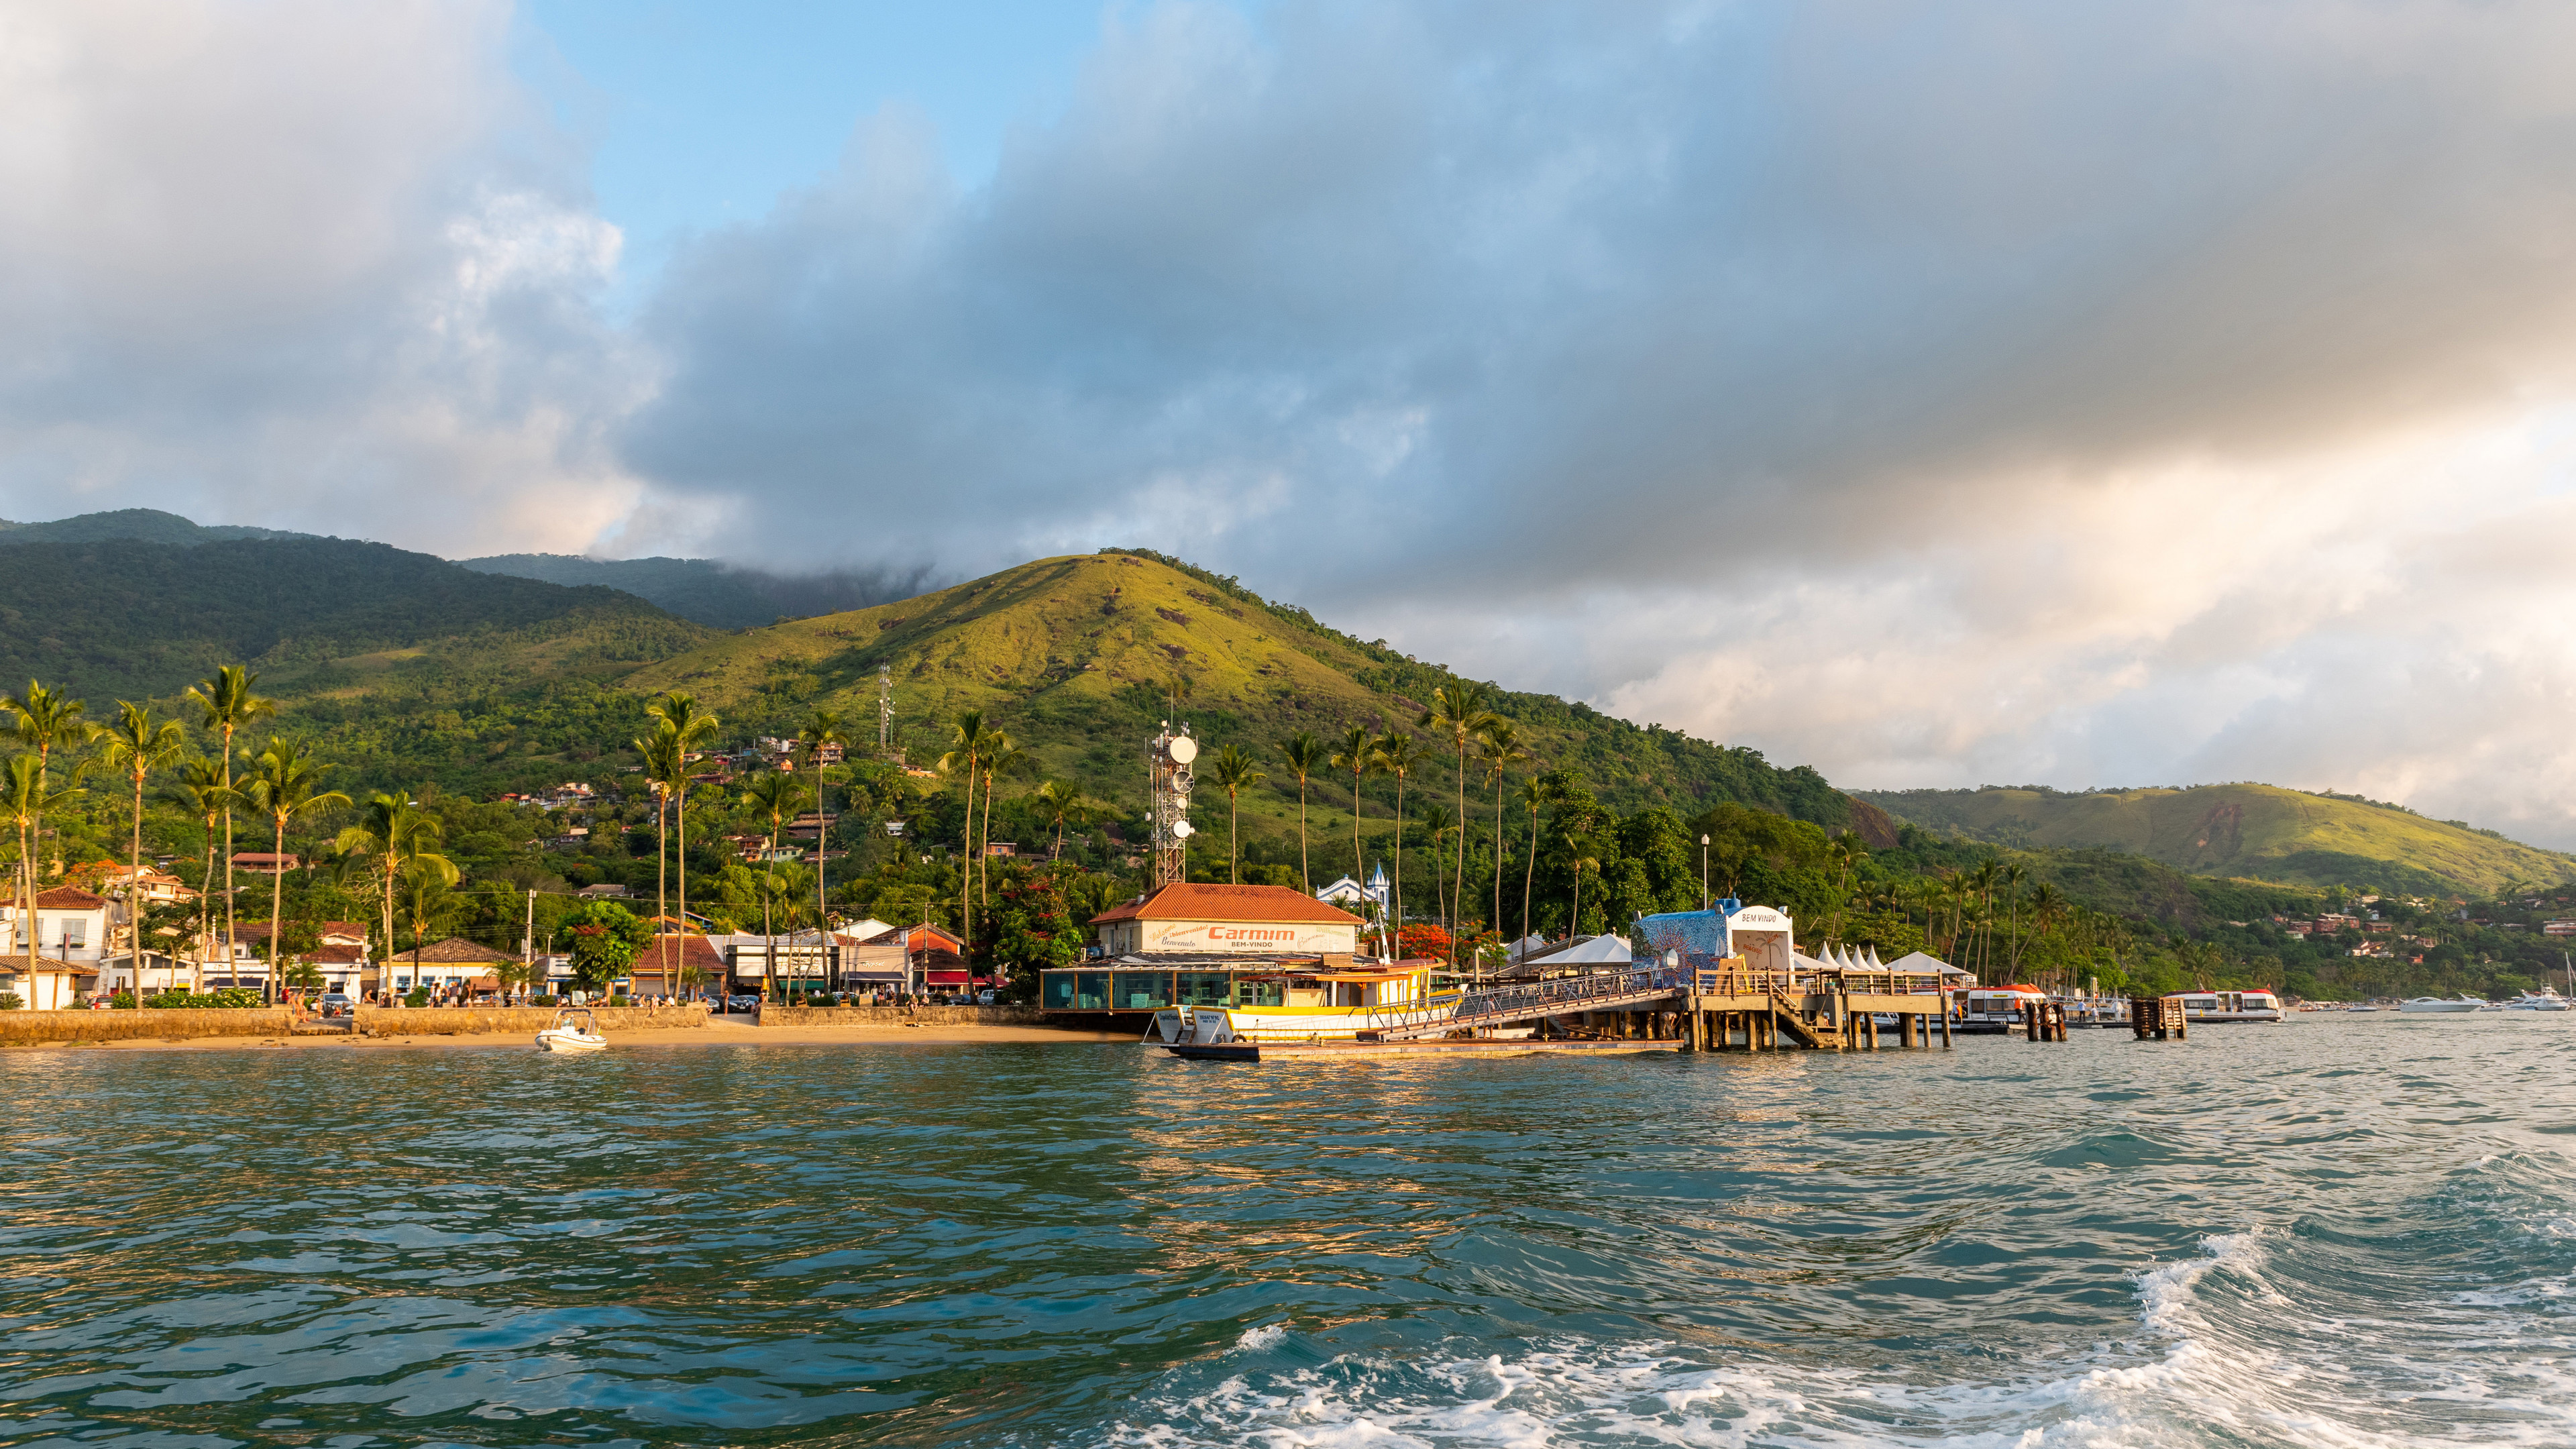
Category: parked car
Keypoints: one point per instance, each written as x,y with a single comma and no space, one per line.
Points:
742,1003
984,997
334,1003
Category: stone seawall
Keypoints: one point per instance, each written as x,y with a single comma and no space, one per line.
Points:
898,1015
480,1020
22,1026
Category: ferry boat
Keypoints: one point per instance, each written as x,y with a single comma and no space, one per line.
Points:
1317,1006
2254,1003
1992,1010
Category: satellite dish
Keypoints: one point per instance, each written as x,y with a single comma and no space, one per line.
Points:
1183,750
1182,830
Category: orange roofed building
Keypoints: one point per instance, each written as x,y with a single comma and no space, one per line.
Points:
1227,920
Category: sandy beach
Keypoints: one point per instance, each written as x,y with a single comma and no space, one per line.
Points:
723,1033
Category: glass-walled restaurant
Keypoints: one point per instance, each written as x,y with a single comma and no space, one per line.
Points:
1263,983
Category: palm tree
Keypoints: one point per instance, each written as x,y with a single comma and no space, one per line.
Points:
822,732
1397,756
1437,822
1582,862
1847,852
970,738
24,798
691,727
284,783
1536,795
665,765
424,877
45,719
1060,802
1460,710
1499,742
228,706
1358,755
2045,905
1233,772
203,794
138,745
1304,755
395,831
1003,756
777,795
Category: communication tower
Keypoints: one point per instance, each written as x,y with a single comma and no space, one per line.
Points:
1168,769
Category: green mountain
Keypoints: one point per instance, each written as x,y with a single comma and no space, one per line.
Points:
718,595
147,525
2258,832
1073,655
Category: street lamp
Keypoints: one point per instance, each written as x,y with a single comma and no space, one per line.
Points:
1703,872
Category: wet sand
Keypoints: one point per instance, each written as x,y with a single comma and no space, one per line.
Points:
725,1033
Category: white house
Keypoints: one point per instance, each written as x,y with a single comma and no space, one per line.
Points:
71,925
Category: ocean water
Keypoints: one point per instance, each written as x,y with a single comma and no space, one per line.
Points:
2330,1232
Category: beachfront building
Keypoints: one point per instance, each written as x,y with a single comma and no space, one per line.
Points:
49,984
673,966
450,967
1219,945
72,936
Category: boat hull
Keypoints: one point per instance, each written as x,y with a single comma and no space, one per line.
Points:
564,1041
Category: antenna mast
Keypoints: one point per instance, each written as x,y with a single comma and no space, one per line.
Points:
1168,768
885,711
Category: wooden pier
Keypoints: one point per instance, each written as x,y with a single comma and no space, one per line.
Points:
1725,1009
2158,1018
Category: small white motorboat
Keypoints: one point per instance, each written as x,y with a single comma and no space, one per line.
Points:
575,1030
2440,1005
2545,999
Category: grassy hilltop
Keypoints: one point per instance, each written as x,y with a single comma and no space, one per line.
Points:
2260,832
1074,654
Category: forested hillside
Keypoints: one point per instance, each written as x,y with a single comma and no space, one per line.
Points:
702,590
2256,831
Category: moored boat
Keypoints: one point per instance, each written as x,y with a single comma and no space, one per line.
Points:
1993,1010
574,1030
2545,999
2253,1003
2442,1005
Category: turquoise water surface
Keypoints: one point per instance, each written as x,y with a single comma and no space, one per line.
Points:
2349,1231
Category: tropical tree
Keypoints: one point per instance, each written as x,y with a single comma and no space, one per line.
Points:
822,731
1437,824
665,764
970,740
285,782
606,938
1398,755
1582,863
394,830
227,706
425,881
25,799
1499,745
1233,772
204,795
776,795
1305,755
1847,853
1003,756
1358,754
1060,802
1458,710
1535,795
691,727
138,744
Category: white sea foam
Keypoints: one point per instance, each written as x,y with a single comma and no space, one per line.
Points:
2210,1366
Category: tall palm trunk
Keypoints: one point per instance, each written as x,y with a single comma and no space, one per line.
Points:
1529,870
277,911
232,948
1399,859
1359,862
1576,927
1303,873
984,866
1457,894
768,931
966,880
680,862
1498,853
205,917
661,860
134,891
822,852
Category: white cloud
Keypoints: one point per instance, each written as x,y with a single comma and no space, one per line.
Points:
2083,394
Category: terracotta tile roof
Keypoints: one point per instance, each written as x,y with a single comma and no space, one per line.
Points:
458,952
68,898
328,955
917,938
1193,902
681,951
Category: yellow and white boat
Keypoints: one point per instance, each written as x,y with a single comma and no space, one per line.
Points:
1321,1006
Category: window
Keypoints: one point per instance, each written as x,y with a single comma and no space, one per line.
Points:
1059,989
1142,990
1258,993
1201,988
75,932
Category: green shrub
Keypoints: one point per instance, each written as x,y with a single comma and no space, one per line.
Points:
121,1001
419,997
226,996
11,1001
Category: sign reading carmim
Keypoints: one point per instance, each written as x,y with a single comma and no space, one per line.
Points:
1205,919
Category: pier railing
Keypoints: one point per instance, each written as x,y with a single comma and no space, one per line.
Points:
1499,1004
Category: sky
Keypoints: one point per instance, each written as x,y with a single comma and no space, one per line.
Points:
2013,393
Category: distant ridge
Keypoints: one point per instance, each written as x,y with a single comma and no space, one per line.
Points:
2259,832
719,595
144,525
